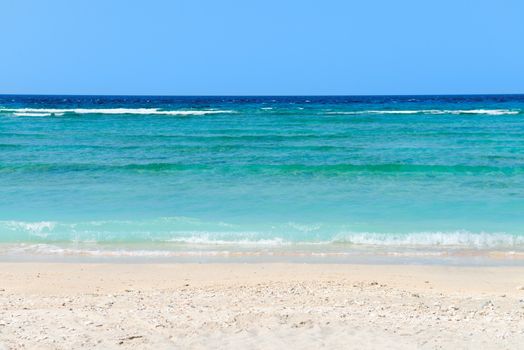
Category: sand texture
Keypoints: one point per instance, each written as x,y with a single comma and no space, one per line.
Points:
259,306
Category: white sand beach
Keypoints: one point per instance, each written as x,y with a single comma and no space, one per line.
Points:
259,306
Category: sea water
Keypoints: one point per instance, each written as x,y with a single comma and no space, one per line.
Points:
163,176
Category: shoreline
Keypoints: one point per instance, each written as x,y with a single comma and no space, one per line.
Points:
265,305
234,259
200,254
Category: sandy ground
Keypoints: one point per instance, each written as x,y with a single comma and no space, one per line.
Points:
260,306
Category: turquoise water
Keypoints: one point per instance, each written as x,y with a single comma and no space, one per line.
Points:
170,173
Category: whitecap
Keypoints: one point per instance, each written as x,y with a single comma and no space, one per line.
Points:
432,111
32,114
461,238
43,112
35,227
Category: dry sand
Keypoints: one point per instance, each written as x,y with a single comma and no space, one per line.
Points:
260,306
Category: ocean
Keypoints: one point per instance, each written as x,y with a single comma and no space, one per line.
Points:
127,176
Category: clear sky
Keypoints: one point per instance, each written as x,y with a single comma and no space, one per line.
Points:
268,47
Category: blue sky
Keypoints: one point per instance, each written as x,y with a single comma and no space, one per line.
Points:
265,47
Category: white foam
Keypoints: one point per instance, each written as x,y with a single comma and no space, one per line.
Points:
44,112
463,239
433,111
453,239
308,235
47,249
207,240
93,251
304,228
40,228
486,111
31,114
34,227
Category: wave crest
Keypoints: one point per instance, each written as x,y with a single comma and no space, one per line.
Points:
187,231
434,111
44,112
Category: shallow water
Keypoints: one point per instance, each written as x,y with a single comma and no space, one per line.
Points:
396,174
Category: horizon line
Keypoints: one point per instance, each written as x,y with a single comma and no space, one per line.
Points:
264,95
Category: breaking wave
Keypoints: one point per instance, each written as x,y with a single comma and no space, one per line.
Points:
44,112
434,111
192,232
